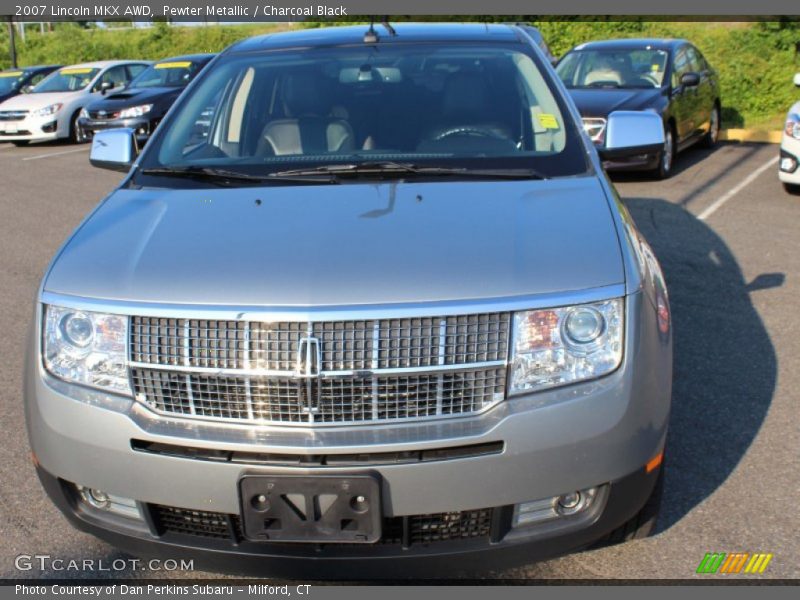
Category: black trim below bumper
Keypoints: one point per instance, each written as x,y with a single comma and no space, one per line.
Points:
440,560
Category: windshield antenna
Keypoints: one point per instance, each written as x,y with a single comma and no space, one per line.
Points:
371,37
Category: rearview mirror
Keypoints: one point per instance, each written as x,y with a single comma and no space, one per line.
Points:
114,149
632,133
797,79
690,79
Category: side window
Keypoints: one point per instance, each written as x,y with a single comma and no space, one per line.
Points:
679,67
134,70
36,78
704,66
116,76
695,62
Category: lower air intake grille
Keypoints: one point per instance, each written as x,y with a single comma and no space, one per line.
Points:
415,529
191,522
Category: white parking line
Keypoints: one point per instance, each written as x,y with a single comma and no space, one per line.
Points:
736,189
86,149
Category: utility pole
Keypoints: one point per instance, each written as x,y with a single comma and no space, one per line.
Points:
12,43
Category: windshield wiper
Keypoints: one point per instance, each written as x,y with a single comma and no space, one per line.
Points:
391,167
221,176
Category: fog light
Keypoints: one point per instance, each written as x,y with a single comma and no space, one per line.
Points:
557,507
788,164
49,127
569,501
96,499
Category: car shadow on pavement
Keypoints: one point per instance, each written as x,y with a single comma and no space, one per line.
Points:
725,366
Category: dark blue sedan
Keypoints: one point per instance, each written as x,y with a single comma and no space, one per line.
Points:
670,77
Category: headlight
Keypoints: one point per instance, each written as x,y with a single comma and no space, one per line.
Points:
135,111
48,110
792,128
87,348
556,346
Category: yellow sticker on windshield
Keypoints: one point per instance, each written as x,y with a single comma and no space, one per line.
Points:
81,71
655,68
173,65
547,121
11,74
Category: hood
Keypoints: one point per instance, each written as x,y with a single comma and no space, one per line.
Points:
601,102
7,95
36,101
349,244
134,97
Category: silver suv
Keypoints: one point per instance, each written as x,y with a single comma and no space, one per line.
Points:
366,296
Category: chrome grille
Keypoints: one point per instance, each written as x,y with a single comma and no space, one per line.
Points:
369,370
13,115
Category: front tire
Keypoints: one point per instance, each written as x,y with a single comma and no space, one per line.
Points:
76,135
711,138
666,158
643,524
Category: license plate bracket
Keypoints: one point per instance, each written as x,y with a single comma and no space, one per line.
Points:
311,509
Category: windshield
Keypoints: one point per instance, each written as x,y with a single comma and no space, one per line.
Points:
167,74
637,68
67,80
10,80
471,106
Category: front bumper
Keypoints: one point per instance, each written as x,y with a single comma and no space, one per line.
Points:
31,129
634,162
790,149
400,558
597,433
142,126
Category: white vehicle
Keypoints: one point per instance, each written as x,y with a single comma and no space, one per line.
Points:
51,109
789,172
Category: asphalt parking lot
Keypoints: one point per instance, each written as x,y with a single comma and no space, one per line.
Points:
727,236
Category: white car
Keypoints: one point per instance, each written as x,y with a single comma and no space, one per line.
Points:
789,172
51,109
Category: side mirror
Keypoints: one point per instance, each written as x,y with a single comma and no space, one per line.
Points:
114,149
105,86
690,79
631,133
26,89
797,79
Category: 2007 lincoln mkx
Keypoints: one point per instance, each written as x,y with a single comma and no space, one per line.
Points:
366,298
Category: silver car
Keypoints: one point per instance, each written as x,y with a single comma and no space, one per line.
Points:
365,304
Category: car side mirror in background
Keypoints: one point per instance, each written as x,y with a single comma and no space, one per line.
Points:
632,132
690,79
797,79
114,149
105,86
26,89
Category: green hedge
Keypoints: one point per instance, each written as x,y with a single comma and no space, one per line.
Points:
755,60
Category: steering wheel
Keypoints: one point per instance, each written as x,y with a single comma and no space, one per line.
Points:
469,130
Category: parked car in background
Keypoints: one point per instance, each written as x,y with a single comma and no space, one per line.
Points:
670,77
143,104
789,170
50,111
382,312
17,81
